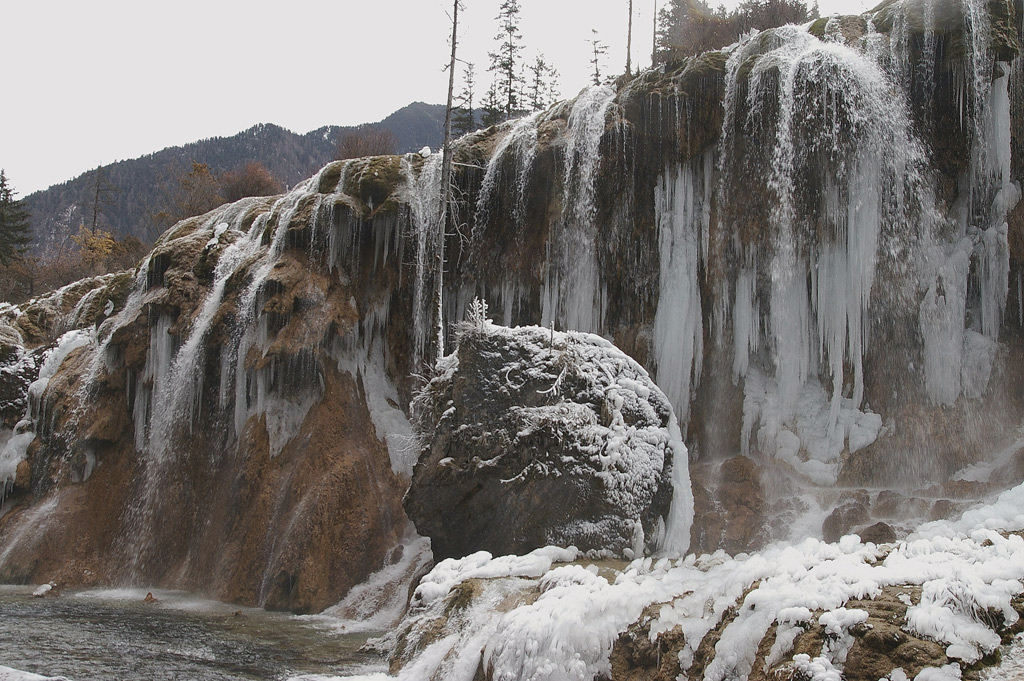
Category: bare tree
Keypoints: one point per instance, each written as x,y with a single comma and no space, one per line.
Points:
446,189
102,191
251,179
629,40
369,140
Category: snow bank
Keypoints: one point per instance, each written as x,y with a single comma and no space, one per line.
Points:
965,570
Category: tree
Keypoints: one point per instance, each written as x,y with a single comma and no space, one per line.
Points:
464,116
126,254
446,191
95,247
101,190
542,88
762,14
367,140
250,179
200,192
689,27
629,40
599,50
15,224
193,193
491,109
505,61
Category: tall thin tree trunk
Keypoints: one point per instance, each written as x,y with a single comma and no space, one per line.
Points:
446,192
654,37
629,40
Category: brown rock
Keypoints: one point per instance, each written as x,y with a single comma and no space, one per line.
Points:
843,520
743,501
23,475
879,533
888,504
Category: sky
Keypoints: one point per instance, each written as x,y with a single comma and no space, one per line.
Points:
90,83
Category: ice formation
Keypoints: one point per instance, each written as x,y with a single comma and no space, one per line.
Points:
771,242
14,451
965,570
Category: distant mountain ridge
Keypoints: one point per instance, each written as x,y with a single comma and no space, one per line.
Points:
137,183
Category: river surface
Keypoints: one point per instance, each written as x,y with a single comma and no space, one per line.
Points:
115,635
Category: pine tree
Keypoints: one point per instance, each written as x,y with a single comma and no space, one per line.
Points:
599,50
542,90
464,115
505,62
15,224
491,109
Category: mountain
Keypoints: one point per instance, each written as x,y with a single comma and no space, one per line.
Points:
138,185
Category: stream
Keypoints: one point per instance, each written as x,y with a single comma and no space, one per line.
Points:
115,635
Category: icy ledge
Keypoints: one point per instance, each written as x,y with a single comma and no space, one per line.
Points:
932,607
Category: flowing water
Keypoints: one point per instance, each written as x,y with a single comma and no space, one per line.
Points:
115,635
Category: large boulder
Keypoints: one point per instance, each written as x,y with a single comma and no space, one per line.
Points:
530,437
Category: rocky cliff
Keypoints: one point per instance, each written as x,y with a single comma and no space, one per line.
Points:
810,240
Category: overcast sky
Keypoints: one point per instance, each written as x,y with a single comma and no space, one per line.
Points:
90,82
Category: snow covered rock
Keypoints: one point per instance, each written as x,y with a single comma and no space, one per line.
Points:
530,437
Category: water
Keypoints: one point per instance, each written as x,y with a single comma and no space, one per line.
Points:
114,636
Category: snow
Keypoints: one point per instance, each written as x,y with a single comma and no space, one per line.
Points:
813,434
42,590
389,421
963,569
16,448
451,572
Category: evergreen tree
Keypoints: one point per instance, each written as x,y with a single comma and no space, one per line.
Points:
505,62
492,111
464,115
599,50
15,224
689,27
542,89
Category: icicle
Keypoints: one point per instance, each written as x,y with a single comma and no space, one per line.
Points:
681,199
424,195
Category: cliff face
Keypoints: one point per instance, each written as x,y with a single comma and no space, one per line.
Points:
810,240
